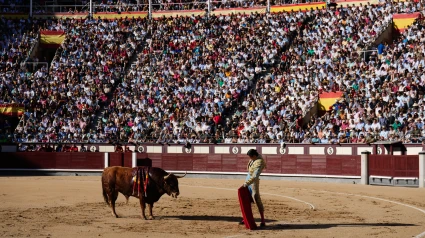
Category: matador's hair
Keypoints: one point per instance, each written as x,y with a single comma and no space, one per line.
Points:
252,152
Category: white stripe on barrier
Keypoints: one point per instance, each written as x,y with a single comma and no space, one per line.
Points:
267,174
134,159
380,177
405,178
106,160
195,172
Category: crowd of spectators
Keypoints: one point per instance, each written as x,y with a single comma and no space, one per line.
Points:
173,5
193,73
407,6
227,79
319,58
383,98
61,102
81,6
17,38
14,6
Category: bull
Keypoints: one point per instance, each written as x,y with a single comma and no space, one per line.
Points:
120,180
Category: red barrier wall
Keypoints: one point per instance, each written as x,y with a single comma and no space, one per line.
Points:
127,159
47,160
124,159
276,164
116,159
394,166
349,165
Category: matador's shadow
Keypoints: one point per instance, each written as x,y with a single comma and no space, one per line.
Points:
271,224
330,225
235,219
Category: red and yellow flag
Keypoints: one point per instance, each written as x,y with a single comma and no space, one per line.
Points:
326,100
404,20
298,7
11,109
51,39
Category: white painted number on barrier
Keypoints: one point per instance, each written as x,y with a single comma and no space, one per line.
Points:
330,150
235,150
282,150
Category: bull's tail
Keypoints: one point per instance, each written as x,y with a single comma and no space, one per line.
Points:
105,195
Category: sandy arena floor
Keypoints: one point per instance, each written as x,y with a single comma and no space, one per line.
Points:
74,207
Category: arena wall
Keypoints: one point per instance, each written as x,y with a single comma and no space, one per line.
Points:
289,165
381,169
296,165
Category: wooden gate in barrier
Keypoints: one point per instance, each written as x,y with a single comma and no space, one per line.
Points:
394,165
396,170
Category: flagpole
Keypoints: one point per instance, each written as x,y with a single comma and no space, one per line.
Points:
150,9
30,8
91,9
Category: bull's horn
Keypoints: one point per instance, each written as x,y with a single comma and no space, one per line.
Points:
181,176
166,176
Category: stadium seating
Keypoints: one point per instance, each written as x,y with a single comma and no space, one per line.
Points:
224,79
17,39
316,62
88,64
383,100
190,79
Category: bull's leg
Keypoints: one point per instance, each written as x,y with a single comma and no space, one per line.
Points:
143,207
150,206
126,197
113,197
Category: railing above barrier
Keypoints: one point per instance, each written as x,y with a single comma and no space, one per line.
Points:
162,5
155,9
205,6
241,149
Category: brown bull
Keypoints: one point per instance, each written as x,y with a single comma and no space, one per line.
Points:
120,179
